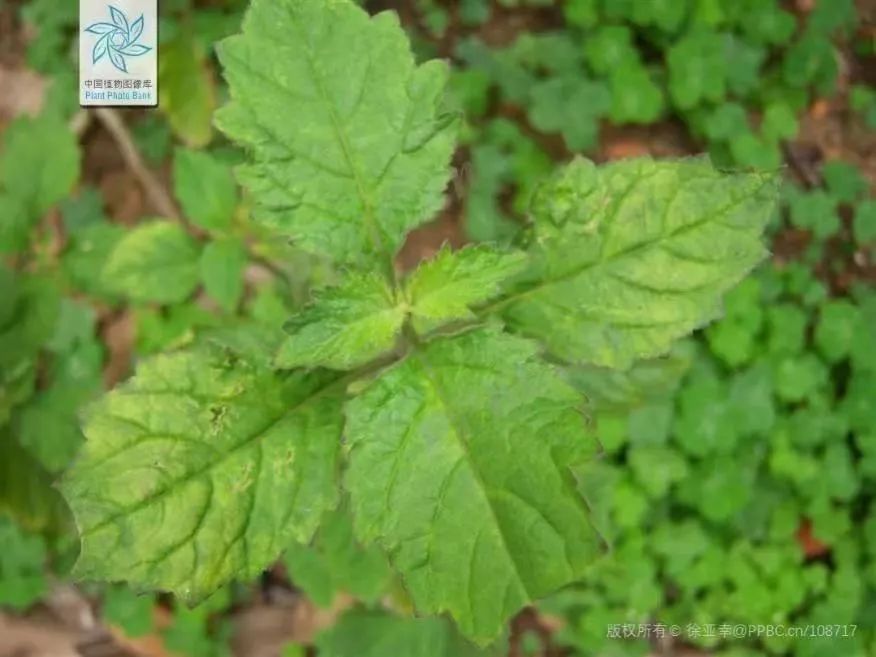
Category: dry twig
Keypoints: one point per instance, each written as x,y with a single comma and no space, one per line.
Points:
155,191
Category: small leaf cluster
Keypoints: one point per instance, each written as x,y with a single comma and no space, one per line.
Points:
840,214
739,74
50,358
739,490
159,262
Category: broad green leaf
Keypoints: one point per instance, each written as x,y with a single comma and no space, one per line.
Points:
458,465
344,326
632,255
188,94
156,261
377,634
39,162
254,339
222,268
335,562
205,188
350,149
202,468
446,287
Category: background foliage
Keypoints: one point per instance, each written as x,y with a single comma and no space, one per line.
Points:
737,480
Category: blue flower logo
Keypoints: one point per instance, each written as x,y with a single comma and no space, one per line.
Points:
117,39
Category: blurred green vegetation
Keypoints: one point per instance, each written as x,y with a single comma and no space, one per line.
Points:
737,483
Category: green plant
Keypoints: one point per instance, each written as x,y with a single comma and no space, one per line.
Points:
438,399
738,487
738,74
751,502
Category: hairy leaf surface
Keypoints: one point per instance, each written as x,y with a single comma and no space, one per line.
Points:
458,465
350,148
446,287
344,326
634,254
200,469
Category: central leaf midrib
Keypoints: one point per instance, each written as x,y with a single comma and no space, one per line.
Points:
372,228
457,433
620,255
